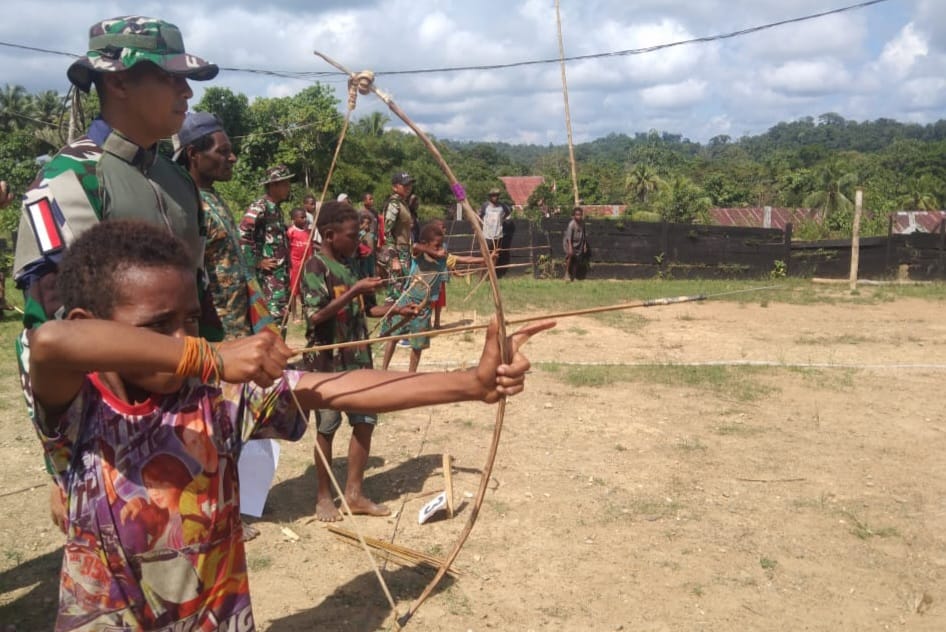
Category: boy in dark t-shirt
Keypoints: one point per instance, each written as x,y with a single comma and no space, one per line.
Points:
334,308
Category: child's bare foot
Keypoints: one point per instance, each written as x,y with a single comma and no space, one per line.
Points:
362,506
325,511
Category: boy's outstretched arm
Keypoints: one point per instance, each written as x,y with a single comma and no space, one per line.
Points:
383,391
63,351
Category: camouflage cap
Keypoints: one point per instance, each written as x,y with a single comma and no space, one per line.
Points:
277,174
118,44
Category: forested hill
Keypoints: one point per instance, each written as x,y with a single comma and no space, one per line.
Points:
809,162
829,132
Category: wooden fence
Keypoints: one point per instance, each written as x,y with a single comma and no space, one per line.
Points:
633,250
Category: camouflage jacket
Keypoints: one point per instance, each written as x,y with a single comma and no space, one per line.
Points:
397,222
100,176
263,236
235,291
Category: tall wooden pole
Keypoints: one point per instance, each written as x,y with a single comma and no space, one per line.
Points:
856,236
568,116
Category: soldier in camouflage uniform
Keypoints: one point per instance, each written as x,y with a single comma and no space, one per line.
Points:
264,242
140,71
395,256
203,148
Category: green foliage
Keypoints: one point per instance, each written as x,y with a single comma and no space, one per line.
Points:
683,202
18,152
811,162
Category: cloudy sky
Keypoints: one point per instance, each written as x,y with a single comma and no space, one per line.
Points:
885,60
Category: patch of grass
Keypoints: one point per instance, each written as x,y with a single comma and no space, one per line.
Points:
691,444
578,331
864,531
843,339
697,590
258,562
457,603
554,612
13,557
625,321
738,430
834,379
522,294
686,317
498,506
767,563
735,383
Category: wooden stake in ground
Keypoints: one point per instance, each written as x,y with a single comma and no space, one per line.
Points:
856,236
448,482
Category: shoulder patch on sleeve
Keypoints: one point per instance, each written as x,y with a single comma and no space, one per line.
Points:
46,220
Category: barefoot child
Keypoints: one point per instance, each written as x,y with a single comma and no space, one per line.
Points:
120,388
334,308
430,266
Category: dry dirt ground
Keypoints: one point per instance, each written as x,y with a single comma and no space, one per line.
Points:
785,497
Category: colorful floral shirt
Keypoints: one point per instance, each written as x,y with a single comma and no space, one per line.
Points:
323,280
155,538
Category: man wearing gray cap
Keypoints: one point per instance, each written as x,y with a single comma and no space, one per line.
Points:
204,149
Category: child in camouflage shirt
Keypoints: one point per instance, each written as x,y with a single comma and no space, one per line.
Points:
333,299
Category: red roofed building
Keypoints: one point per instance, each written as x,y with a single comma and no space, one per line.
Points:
520,188
761,217
904,222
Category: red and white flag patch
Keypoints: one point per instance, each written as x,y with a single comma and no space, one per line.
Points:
45,227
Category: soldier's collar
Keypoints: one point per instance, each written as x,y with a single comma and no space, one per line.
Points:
113,142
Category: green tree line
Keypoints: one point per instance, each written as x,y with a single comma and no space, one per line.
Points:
809,163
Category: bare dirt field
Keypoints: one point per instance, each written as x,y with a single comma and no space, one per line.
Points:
795,480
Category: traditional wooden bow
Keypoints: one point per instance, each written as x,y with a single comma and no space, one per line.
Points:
365,84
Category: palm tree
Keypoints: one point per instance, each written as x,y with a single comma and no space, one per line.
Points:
918,196
642,181
829,197
14,105
47,106
372,124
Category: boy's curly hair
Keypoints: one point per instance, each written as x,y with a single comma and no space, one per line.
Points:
92,267
430,231
335,214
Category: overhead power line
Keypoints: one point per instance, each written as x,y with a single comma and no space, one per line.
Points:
314,75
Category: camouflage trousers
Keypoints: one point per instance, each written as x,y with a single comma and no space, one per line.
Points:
275,286
396,287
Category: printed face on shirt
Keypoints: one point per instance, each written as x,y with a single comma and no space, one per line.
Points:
216,163
164,300
155,100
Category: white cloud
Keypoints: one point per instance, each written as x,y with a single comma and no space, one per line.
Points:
674,95
817,77
885,60
900,54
